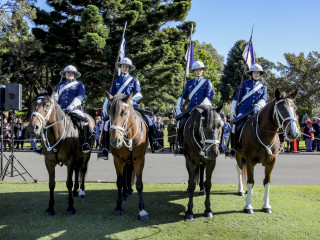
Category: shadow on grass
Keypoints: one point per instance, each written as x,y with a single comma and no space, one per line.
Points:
27,210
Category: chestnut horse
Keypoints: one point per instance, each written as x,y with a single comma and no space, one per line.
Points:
61,144
128,143
259,143
202,134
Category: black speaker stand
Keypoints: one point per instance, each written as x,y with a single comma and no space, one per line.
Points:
12,157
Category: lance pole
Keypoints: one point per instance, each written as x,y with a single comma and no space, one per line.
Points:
245,64
117,60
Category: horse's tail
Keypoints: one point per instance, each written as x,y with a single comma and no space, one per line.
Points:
244,171
197,175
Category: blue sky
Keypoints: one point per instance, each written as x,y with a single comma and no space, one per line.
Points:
281,26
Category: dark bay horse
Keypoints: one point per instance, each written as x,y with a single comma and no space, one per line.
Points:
202,134
61,144
259,142
129,142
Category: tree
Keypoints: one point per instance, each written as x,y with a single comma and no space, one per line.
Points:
302,73
233,71
87,34
18,48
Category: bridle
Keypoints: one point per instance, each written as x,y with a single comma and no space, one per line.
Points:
204,140
43,121
280,122
124,130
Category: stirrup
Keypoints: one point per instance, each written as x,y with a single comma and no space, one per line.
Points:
155,147
38,151
86,148
103,154
231,153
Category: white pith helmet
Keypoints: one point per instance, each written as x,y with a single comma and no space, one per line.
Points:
255,67
70,68
126,61
197,64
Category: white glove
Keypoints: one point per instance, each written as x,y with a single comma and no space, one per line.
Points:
257,108
233,109
178,111
69,108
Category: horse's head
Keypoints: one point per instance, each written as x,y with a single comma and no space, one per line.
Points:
210,130
119,110
41,109
285,114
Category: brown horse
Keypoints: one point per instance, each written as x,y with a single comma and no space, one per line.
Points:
202,134
129,142
259,143
61,144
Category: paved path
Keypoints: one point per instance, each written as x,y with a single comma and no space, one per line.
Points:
291,169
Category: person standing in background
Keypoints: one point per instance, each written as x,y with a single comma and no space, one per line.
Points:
172,131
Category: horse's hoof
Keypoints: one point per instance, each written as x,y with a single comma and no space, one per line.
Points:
70,212
124,198
208,214
49,214
82,196
266,210
118,212
249,211
202,193
144,218
241,194
189,216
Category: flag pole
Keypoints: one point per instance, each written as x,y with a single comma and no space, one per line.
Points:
245,63
188,58
117,60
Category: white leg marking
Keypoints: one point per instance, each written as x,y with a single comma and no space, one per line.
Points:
240,185
249,194
266,196
81,193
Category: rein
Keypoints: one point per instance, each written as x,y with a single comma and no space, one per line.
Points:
203,141
124,131
278,116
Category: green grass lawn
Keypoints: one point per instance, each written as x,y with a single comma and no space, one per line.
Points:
22,213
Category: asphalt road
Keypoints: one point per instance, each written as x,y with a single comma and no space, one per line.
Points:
300,169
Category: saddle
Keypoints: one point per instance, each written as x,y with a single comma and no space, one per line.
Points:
240,122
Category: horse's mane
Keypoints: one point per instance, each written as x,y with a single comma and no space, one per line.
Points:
116,104
208,114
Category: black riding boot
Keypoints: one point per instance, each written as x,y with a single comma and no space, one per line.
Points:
86,135
232,150
104,145
38,150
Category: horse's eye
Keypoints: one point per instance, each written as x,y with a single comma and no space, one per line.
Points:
47,106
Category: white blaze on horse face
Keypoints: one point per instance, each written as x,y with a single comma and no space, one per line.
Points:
293,124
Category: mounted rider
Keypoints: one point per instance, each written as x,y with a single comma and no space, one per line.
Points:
125,84
251,97
69,94
200,92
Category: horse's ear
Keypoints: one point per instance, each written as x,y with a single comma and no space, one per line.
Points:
277,94
109,96
220,108
128,98
294,94
36,90
49,90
